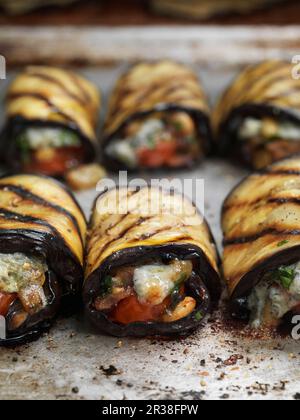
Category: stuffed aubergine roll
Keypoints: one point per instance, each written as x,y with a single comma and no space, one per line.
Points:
42,231
257,120
158,118
262,245
149,272
52,116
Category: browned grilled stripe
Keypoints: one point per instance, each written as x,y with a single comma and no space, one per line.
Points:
9,215
264,200
156,232
77,82
255,237
149,91
28,195
279,172
245,85
252,83
130,194
59,84
123,233
19,95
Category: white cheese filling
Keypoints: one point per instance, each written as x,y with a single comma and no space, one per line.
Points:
125,149
41,137
269,130
274,297
24,276
154,283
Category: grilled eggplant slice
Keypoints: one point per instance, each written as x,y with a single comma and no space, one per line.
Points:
158,118
257,121
262,245
152,264
42,234
52,116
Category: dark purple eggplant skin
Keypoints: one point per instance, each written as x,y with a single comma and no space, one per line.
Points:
227,141
250,280
207,292
9,153
60,261
202,122
39,323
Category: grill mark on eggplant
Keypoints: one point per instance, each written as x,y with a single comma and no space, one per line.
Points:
122,234
152,89
279,172
148,92
18,95
263,200
66,190
149,235
9,215
252,238
248,79
83,91
57,82
243,89
23,193
271,82
93,232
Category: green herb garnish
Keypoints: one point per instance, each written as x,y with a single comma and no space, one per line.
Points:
151,141
68,138
285,276
177,125
176,298
24,148
106,286
282,243
198,316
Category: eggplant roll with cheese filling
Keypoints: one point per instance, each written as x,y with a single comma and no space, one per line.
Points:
152,269
258,119
52,116
158,118
42,231
261,220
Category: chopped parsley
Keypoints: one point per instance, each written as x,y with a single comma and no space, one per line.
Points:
285,276
178,126
198,316
106,286
176,297
24,148
282,243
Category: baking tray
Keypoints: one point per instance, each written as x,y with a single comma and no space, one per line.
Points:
71,362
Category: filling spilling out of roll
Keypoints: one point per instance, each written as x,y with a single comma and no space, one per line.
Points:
42,231
262,245
158,118
258,118
52,116
151,272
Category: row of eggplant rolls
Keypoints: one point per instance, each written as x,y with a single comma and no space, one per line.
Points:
144,270
158,117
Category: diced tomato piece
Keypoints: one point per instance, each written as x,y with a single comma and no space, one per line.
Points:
154,158
132,310
6,299
57,162
150,158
